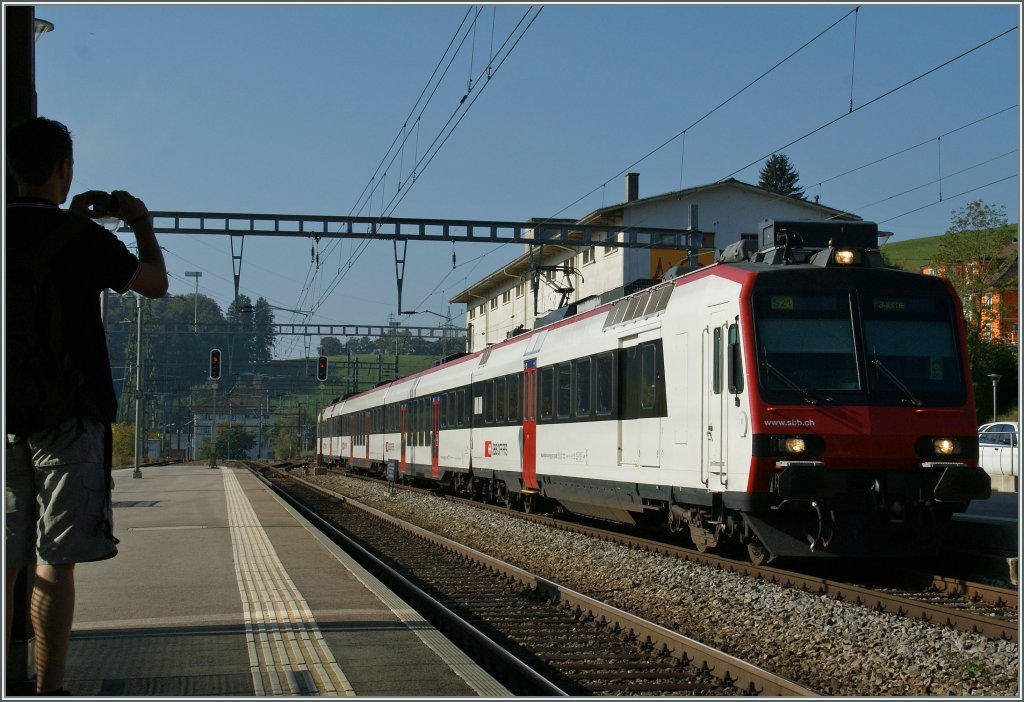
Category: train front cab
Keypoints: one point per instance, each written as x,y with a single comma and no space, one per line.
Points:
862,413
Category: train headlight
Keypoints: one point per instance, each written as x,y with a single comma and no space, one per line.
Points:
794,444
946,447
802,446
846,257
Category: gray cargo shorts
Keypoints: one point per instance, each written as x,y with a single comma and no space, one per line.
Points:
57,496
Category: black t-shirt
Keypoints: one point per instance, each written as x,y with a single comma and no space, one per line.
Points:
92,261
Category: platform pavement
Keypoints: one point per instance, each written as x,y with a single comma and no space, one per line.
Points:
221,589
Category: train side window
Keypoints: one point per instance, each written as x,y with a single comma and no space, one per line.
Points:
443,410
513,398
735,364
547,392
499,400
648,376
582,404
604,371
564,402
489,402
716,364
451,409
460,407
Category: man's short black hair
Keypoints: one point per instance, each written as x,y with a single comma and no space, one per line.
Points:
35,148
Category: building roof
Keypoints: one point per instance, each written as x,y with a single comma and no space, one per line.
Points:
614,214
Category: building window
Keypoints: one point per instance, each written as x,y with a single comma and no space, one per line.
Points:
520,289
472,312
494,303
588,256
506,297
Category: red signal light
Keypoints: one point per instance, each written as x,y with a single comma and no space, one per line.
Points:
214,364
321,369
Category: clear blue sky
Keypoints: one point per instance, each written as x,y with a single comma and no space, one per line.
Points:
290,109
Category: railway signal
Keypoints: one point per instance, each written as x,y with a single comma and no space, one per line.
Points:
321,369
214,364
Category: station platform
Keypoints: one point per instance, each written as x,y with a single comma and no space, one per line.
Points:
221,589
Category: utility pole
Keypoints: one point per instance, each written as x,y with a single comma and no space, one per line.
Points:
137,473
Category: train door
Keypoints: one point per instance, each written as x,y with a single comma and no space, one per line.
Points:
529,402
368,428
351,439
435,434
640,421
403,413
714,472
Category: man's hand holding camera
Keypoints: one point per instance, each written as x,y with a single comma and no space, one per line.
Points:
119,204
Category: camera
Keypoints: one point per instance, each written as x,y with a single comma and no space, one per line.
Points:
105,205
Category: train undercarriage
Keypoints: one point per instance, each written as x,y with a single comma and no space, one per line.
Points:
870,516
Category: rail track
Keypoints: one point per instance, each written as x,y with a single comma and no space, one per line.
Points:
534,635
989,610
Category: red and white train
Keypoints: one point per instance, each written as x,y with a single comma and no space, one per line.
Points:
798,397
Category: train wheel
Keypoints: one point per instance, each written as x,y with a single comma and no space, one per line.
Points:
509,499
758,553
529,504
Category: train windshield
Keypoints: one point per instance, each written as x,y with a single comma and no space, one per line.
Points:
843,348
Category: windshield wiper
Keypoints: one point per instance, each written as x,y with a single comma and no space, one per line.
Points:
784,378
895,381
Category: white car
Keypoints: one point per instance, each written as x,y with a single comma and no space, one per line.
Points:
999,448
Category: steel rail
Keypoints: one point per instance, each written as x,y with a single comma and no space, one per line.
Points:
961,620
524,679
732,670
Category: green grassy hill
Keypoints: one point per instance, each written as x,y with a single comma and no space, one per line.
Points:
911,254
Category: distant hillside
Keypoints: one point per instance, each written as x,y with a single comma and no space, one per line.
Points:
911,254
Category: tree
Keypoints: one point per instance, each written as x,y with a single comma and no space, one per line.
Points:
972,254
331,346
124,444
779,176
978,256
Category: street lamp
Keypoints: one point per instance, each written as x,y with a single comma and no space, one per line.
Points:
195,313
41,27
995,378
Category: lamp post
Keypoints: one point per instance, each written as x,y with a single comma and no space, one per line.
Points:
995,378
195,313
137,473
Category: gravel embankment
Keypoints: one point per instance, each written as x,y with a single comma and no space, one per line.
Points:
833,647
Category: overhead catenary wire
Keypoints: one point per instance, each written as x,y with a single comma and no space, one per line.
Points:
422,162
452,123
872,101
715,109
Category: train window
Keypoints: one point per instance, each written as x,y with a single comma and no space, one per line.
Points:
451,409
564,402
735,365
913,340
648,376
604,384
582,404
513,398
489,402
499,400
806,343
547,392
460,407
443,400
716,362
